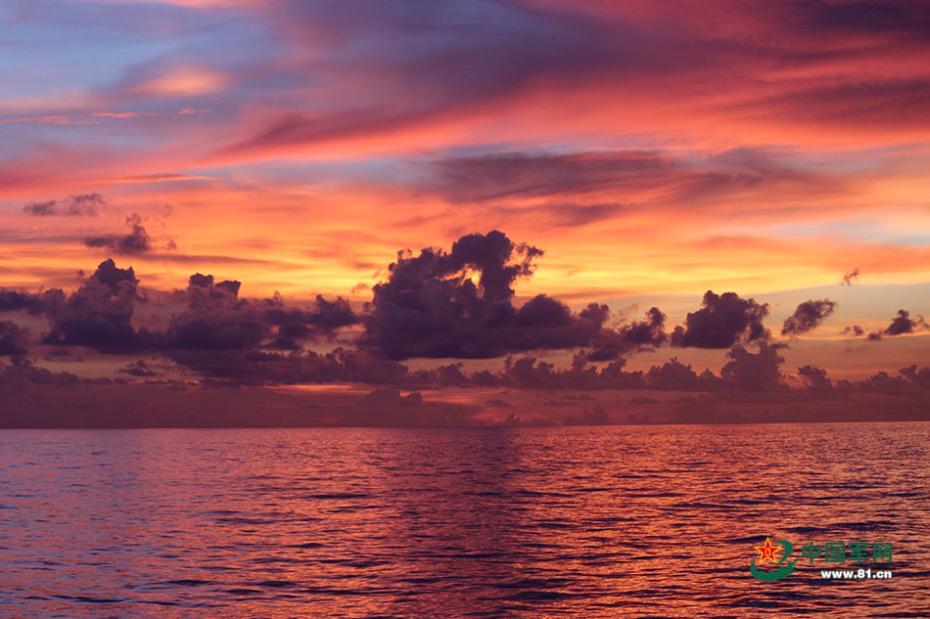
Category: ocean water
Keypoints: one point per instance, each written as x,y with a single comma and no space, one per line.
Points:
591,521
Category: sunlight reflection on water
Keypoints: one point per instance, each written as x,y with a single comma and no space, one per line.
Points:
598,521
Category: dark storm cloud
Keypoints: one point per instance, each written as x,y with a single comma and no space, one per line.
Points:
723,321
99,314
808,316
901,324
217,325
458,303
137,241
217,319
13,339
432,307
89,204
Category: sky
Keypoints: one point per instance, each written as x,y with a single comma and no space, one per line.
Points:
623,154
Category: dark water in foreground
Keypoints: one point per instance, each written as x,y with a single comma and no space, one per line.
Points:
600,521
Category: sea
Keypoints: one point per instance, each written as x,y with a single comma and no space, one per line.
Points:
596,521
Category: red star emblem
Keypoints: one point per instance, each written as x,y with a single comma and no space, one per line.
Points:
767,551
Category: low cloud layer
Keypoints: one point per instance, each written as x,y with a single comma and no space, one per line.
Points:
458,304
13,339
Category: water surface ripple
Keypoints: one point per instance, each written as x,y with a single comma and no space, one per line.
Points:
597,521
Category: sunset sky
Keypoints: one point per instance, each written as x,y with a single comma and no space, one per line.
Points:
652,150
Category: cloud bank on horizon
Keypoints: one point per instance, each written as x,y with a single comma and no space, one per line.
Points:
456,304
703,178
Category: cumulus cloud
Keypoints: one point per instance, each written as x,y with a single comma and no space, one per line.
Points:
89,204
636,336
217,319
457,303
460,304
99,314
291,326
808,316
137,241
723,321
901,324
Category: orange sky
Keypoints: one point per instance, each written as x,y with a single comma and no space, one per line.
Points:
653,151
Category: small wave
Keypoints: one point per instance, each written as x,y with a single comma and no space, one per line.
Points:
188,582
